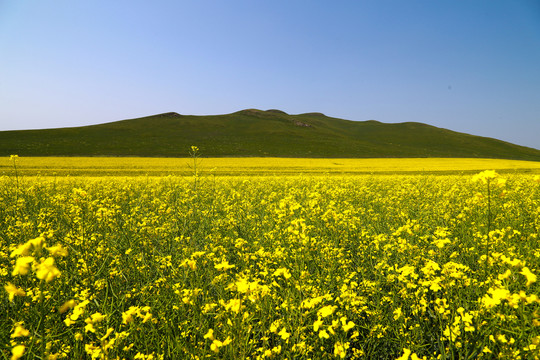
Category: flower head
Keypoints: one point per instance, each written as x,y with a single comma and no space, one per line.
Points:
484,176
531,278
13,291
17,352
46,270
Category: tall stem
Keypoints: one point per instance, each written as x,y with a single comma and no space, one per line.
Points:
489,223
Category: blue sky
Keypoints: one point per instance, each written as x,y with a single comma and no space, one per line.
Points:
470,66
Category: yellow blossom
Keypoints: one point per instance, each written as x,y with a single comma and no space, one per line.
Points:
284,334
13,291
282,271
209,334
340,349
484,176
70,304
531,278
46,270
326,311
317,324
17,352
109,332
323,334
57,250
19,331
22,265
405,356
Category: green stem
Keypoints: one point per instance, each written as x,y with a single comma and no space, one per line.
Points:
16,182
489,225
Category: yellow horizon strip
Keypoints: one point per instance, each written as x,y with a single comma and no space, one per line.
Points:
258,164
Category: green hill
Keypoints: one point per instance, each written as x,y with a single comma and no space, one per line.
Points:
257,133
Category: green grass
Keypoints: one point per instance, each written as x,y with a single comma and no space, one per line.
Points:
258,133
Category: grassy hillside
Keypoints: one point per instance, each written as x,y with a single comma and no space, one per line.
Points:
257,133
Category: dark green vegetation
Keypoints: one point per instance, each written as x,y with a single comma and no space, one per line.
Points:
258,133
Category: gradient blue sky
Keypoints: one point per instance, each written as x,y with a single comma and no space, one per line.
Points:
466,65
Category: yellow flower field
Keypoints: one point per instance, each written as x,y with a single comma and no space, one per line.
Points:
277,267
128,166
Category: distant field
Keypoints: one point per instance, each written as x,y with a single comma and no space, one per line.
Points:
136,166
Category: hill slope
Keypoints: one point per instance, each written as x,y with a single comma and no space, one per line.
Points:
257,133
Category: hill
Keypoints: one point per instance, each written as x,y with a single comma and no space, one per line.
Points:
255,132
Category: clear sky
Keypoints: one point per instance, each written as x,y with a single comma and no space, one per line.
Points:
466,65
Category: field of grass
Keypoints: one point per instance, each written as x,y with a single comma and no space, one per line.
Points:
279,267
129,166
258,133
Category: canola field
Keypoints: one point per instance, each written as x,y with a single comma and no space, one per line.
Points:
270,267
140,166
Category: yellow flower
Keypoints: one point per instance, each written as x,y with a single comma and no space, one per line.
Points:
317,324
348,326
17,352
93,319
215,345
22,265
127,316
146,317
209,334
109,332
66,306
326,311
340,350
97,317
224,265
89,327
19,331
531,278
284,334
397,313
405,356
505,276
22,250
46,270
484,176
192,264
282,271
13,291
497,295
323,334
57,250
233,305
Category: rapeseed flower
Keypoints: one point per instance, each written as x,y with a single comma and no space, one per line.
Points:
19,331
326,311
531,278
57,250
46,270
340,349
22,265
13,291
406,354
17,352
485,176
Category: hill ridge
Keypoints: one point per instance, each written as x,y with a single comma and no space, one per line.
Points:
254,132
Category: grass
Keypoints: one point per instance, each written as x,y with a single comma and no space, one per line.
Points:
260,134
270,267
